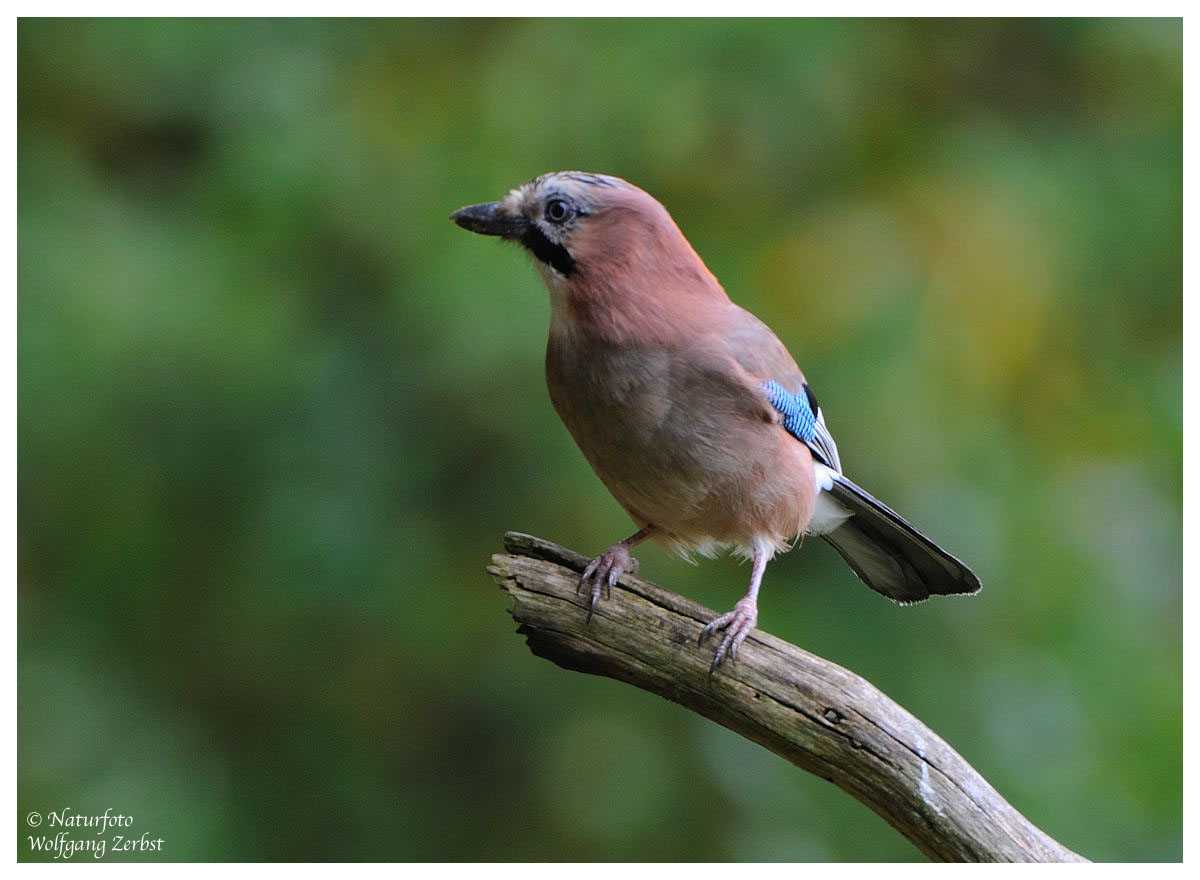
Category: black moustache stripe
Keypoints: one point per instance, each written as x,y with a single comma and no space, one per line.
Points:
547,251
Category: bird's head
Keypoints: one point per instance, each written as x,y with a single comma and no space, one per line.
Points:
585,229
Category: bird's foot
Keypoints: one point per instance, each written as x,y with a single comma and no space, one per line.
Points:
604,571
736,625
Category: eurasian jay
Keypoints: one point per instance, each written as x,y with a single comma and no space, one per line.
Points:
687,407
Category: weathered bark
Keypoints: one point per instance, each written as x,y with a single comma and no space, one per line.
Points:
821,717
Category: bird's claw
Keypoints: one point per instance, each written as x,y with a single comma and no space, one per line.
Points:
604,571
737,625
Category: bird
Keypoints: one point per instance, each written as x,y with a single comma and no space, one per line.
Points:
688,407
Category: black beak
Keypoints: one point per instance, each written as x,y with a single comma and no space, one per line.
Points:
486,219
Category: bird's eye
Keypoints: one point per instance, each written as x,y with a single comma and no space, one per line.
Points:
557,211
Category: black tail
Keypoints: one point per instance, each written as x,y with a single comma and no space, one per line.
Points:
891,556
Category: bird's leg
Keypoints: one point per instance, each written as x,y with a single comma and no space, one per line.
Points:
607,568
738,622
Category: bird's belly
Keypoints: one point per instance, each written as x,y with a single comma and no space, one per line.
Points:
700,471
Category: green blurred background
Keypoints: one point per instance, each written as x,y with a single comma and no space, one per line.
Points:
275,412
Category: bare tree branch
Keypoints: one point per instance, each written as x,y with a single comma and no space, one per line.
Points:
821,717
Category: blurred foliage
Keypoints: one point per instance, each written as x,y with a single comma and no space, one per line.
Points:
275,412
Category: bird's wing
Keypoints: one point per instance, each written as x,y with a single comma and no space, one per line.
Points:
763,356
822,443
759,351
803,419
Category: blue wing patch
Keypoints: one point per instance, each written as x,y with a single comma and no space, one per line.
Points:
799,417
802,419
